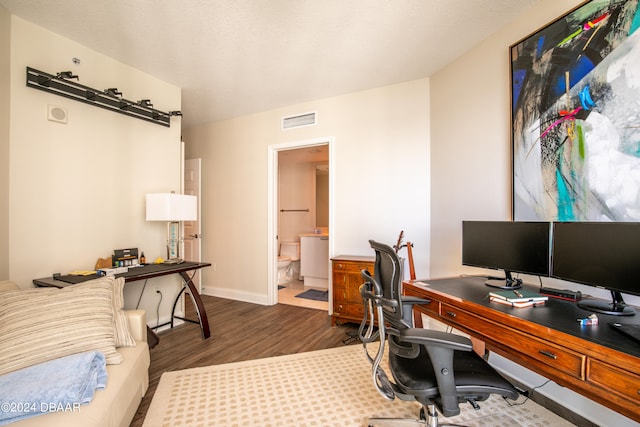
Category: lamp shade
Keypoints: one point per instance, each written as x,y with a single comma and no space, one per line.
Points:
171,207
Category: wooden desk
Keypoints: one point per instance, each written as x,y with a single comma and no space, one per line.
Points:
150,271
594,361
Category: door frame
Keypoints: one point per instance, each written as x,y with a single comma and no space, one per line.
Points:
197,241
272,210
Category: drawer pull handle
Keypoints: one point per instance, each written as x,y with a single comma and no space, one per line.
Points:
548,354
451,314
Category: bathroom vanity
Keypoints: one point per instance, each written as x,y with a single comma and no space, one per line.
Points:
314,259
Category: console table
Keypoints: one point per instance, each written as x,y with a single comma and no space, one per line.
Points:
150,271
595,361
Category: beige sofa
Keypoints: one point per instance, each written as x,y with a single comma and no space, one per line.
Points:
127,382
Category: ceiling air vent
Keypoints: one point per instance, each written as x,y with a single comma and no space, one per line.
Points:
300,120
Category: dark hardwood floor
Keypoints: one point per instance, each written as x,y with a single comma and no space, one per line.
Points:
240,331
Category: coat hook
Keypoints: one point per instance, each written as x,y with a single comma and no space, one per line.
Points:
145,103
67,75
113,91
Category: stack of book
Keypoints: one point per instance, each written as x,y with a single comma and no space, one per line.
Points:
518,298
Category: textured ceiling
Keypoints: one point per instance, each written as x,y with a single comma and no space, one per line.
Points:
237,57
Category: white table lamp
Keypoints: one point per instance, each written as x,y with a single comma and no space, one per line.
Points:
172,208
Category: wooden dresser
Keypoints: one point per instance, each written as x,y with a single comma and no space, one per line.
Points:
347,302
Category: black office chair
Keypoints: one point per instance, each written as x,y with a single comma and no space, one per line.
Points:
437,369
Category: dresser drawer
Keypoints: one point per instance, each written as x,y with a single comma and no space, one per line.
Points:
562,360
352,266
354,311
623,383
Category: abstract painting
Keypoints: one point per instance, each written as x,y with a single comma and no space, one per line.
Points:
575,116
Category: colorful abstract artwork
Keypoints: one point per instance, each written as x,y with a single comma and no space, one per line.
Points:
576,116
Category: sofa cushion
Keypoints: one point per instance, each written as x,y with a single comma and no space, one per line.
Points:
114,406
122,335
8,285
37,325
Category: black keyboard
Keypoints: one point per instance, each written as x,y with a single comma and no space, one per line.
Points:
632,331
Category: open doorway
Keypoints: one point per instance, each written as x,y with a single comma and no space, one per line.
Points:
300,213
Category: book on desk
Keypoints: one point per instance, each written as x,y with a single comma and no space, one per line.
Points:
518,298
521,304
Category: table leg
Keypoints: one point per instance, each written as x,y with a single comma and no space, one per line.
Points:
173,309
199,305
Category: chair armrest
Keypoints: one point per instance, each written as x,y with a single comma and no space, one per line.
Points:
414,300
137,324
429,337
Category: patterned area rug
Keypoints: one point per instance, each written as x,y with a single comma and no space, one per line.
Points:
321,388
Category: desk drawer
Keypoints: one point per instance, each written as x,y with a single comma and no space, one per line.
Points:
432,308
563,360
622,383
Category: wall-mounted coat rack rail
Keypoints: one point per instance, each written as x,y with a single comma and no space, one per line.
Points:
109,99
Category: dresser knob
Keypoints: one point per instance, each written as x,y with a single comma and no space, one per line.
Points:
451,314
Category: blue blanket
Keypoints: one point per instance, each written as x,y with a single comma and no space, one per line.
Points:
58,385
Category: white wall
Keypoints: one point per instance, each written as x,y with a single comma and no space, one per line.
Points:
380,167
296,191
77,190
471,148
5,43
471,167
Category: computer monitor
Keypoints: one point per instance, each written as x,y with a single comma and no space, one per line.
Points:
512,246
600,254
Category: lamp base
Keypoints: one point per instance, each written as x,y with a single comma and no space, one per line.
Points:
173,239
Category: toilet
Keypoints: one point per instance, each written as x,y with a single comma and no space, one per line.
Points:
288,262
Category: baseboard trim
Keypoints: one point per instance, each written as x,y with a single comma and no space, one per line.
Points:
236,295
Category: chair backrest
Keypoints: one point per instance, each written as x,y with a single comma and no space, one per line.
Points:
382,297
388,273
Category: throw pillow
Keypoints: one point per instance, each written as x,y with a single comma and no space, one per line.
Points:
122,334
37,325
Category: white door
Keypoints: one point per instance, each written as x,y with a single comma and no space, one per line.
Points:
192,229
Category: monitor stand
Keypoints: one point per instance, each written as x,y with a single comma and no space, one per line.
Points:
617,306
507,283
